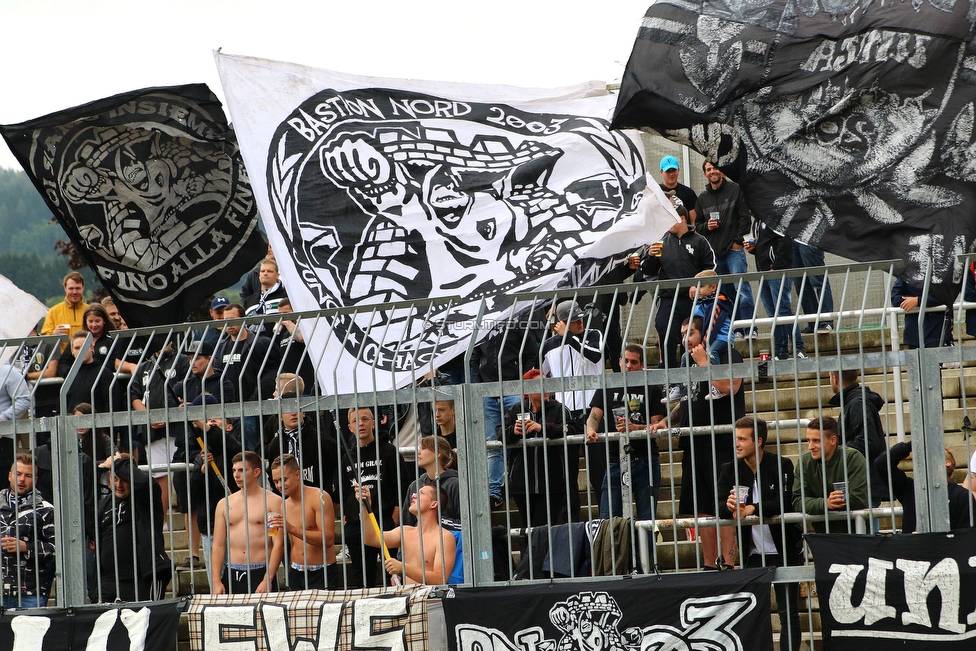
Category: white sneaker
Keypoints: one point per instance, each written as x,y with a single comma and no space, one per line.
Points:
825,329
950,365
715,394
801,355
676,394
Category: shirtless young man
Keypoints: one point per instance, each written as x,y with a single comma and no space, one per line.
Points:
309,521
429,562
254,555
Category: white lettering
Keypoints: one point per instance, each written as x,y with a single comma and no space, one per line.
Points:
920,581
476,638
137,624
275,621
98,640
29,632
872,607
366,611
214,619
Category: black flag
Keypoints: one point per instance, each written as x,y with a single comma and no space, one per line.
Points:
151,188
849,125
146,626
727,611
916,593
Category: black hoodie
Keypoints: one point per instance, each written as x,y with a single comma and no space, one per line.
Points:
861,419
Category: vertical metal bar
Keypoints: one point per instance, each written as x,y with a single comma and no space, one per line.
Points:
925,404
69,529
473,478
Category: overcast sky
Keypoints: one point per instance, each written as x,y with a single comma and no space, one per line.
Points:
61,53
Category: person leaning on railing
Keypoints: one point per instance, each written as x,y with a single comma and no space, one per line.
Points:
962,505
133,564
537,477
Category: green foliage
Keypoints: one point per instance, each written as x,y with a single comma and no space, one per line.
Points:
42,278
25,220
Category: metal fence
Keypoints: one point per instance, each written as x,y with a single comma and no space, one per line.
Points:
543,487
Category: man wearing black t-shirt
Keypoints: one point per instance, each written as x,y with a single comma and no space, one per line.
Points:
669,177
288,351
643,408
681,253
703,453
372,464
241,357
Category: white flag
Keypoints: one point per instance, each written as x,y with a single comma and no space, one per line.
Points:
388,190
22,311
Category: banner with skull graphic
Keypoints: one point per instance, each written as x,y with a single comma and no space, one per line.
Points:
378,191
718,611
151,188
849,124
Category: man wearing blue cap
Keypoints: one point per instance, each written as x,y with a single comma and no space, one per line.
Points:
669,174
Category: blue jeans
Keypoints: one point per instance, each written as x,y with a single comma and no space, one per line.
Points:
642,488
23,601
734,262
769,292
251,433
496,458
809,256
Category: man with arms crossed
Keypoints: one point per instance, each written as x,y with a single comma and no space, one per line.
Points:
309,521
428,548
240,524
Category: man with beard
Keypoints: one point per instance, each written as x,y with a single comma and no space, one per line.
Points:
669,183
27,541
724,220
66,317
681,253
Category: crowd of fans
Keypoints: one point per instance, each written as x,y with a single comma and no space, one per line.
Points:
259,493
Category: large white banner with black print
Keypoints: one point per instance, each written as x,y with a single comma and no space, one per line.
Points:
727,611
151,189
136,627
849,124
385,190
907,592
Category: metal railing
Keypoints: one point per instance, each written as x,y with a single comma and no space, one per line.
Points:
519,504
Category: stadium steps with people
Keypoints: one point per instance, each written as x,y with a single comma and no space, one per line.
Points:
786,396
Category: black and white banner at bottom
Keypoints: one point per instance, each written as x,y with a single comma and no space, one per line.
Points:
718,611
916,592
135,627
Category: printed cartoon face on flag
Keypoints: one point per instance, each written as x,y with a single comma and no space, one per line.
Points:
846,126
388,205
381,194
456,189
150,187
122,189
